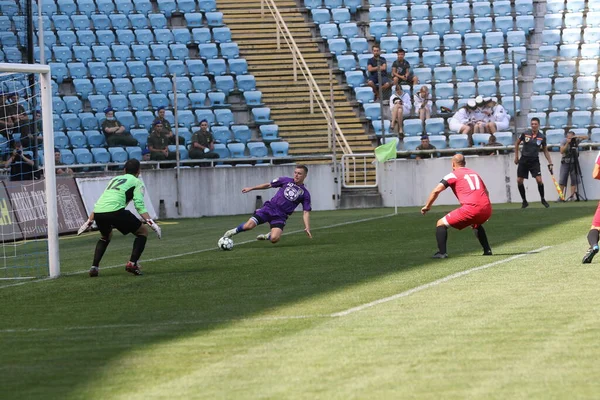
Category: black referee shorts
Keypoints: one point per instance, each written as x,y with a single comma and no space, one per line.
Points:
528,165
122,220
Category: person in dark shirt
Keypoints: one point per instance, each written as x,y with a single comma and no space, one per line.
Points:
21,166
158,143
167,126
58,162
203,143
115,131
533,141
401,73
425,145
374,65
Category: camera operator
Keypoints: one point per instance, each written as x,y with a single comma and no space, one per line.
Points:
21,167
400,106
569,166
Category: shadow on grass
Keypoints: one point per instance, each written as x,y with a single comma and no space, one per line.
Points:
189,295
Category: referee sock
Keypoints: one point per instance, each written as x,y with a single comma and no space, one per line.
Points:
441,234
592,237
522,191
482,237
139,244
541,190
99,252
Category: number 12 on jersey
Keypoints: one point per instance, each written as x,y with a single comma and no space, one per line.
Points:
473,181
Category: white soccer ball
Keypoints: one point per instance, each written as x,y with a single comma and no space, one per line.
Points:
225,243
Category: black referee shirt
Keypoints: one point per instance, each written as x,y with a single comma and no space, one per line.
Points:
532,144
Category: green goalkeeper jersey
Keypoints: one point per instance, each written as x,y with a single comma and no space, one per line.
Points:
119,192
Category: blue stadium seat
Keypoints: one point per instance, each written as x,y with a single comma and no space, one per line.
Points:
241,133
269,132
94,138
561,102
137,69
440,11
157,21
118,102
593,19
540,116
583,102
183,84
563,85
481,9
217,99
195,67
230,50
492,39
461,25
97,69
221,150
551,36
237,150
83,87
320,15
102,53
461,9
586,84
103,86
442,74
465,73
253,98
434,126
182,35
257,149
458,141
466,90
409,43
474,56
399,13
138,21
105,37
164,36
214,19
487,89
381,128
411,143
207,115
480,139
144,36
118,155
520,54
571,36
61,140
71,121
80,21
557,119
540,103
566,68
553,21
420,27
399,28
506,24
158,100
193,20
58,105
453,58
208,50
372,111
378,29
141,52
138,101
201,35
453,41
483,25
162,85
412,127
58,71
355,78
575,6
430,43
60,22
505,138
432,59
544,69
77,140
144,119
197,100
441,26
423,74
125,36
73,104
221,134
246,82
280,148
444,91
224,83
201,84
117,69
121,52
88,121
506,87
207,5
364,95
548,52
377,14
157,68
262,115
66,156
160,51
186,118
574,20
86,38
588,67
581,119
142,85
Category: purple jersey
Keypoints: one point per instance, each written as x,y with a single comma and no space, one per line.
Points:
288,196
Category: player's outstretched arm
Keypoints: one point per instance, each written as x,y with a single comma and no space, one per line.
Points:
306,218
258,187
433,197
153,225
86,225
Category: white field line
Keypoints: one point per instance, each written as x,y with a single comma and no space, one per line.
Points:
285,317
143,261
434,283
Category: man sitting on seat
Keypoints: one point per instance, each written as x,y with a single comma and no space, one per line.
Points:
158,143
115,131
376,64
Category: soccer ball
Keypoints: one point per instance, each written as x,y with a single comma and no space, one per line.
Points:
225,243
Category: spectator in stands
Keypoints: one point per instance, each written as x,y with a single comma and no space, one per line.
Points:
399,106
569,149
462,121
58,162
21,122
146,157
158,143
167,126
401,73
423,103
374,65
481,116
500,119
425,145
6,123
115,131
203,143
21,166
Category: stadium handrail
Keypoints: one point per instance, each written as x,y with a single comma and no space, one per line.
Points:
315,92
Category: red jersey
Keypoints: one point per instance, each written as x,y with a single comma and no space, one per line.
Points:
468,187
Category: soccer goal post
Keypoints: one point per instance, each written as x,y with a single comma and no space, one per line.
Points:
28,196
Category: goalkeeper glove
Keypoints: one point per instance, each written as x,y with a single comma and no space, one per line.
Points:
154,227
86,225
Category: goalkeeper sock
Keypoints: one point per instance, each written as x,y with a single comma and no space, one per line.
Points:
522,191
99,252
240,228
139,244
441,234
541,190
593,236
482,237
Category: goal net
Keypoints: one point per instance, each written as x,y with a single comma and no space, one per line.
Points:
28,202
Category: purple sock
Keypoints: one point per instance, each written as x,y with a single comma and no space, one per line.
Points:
240,228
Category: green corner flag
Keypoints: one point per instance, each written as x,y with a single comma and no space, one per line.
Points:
386,151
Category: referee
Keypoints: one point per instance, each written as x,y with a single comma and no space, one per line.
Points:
533,140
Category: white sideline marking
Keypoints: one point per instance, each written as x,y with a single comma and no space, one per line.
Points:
143,261
288,317
434,283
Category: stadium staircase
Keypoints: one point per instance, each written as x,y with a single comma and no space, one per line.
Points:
289,101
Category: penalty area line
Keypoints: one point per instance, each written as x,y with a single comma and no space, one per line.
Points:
189,253
434,283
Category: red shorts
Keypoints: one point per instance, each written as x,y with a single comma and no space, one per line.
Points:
596,220
468,216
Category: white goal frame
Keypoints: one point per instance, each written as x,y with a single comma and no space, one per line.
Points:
45,82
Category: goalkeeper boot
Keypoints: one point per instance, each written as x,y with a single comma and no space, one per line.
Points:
230,233
440,255
487,252
93,272
589,256
133,268
266,236
525,204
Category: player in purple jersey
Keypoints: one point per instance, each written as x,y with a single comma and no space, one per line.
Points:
277,210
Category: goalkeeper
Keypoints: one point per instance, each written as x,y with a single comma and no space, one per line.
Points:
109,212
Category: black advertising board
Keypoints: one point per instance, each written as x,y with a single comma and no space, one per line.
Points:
28,200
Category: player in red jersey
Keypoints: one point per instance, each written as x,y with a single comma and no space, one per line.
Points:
475,208
594,232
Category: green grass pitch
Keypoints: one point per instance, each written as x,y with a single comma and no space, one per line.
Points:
268,321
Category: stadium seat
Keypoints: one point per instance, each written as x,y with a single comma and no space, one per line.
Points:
217,100
569,51
372,111
474,40
269,132
222,134
58,105
574,20
182,84
261,115
83,87
201,84
280,148
88,121
487,89
506,25
441,26
571,36
442,74
452,41
444,91
506,87
399,13
563,85
434,126
245,82
71,121
424,75
540,103
551,37
420,27
139,102
348,30
505,138
466,90
557,119
544,69
430,43
156,68
340,15
376,30
197,100
484,72
376,14
208,115
224,83
73,104
561,102
586,84
94,138
399,28
355,78
253,98
453,58
77,140
364,95
230,50
208,50
566,68
61,140
411,143
214,18
338,46
257,149
458,141
432,59
241,133
548,52
158,100
516,38
66,156
583,102
474,57
381,128
588,67
581,119
480,139
237,150
412,127
216,67
409,43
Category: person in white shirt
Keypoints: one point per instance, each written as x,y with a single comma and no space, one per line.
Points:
400,105
423,103
499,120
462,120
480,116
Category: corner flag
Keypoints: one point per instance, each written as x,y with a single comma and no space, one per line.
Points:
386,151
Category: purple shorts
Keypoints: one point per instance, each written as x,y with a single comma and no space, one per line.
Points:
268,214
